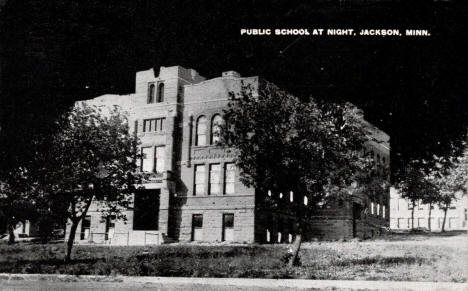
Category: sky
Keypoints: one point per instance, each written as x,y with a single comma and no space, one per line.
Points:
414,88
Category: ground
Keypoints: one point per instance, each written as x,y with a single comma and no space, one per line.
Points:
398,257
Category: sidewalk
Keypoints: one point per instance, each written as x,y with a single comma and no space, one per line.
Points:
239,282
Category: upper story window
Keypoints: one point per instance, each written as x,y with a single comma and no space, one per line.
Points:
152,159
159,155
160,97
216,124
201,131
199,180
151,91
147,160
153,125
214,178
229,178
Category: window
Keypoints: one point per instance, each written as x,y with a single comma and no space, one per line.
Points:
291,196
229,178
410,205
214,178
159,155
153,125
147,159
383,211
269,224
280,230
197,220
151,89
372,207
160,93
306,200
201,131
420,205
378,208
216,124
199,179
110,227
291,230
85,226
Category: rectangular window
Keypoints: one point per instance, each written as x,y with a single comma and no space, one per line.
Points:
147,159
214,178
410,205
383,211
372,207
197,220
85,226
420,205
199,179
229,178
159,154
153,125
110,227
378,208
280,230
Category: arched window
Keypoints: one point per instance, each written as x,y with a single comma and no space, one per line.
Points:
216,123
201,131
151,89
160,92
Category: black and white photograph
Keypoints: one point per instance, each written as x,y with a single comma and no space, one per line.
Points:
233,145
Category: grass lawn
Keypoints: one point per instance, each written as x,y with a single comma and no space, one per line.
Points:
422,257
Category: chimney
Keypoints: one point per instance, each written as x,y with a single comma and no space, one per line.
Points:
232,74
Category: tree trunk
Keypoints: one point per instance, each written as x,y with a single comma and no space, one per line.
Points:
445,218
11,234
412,217
71,240
296,248
429,219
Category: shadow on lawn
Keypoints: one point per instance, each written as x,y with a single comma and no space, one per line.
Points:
420,235
382,261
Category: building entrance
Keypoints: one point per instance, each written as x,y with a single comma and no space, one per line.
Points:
146,209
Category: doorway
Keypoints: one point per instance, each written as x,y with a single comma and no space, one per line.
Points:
146,209
228,227
197,227
356,216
